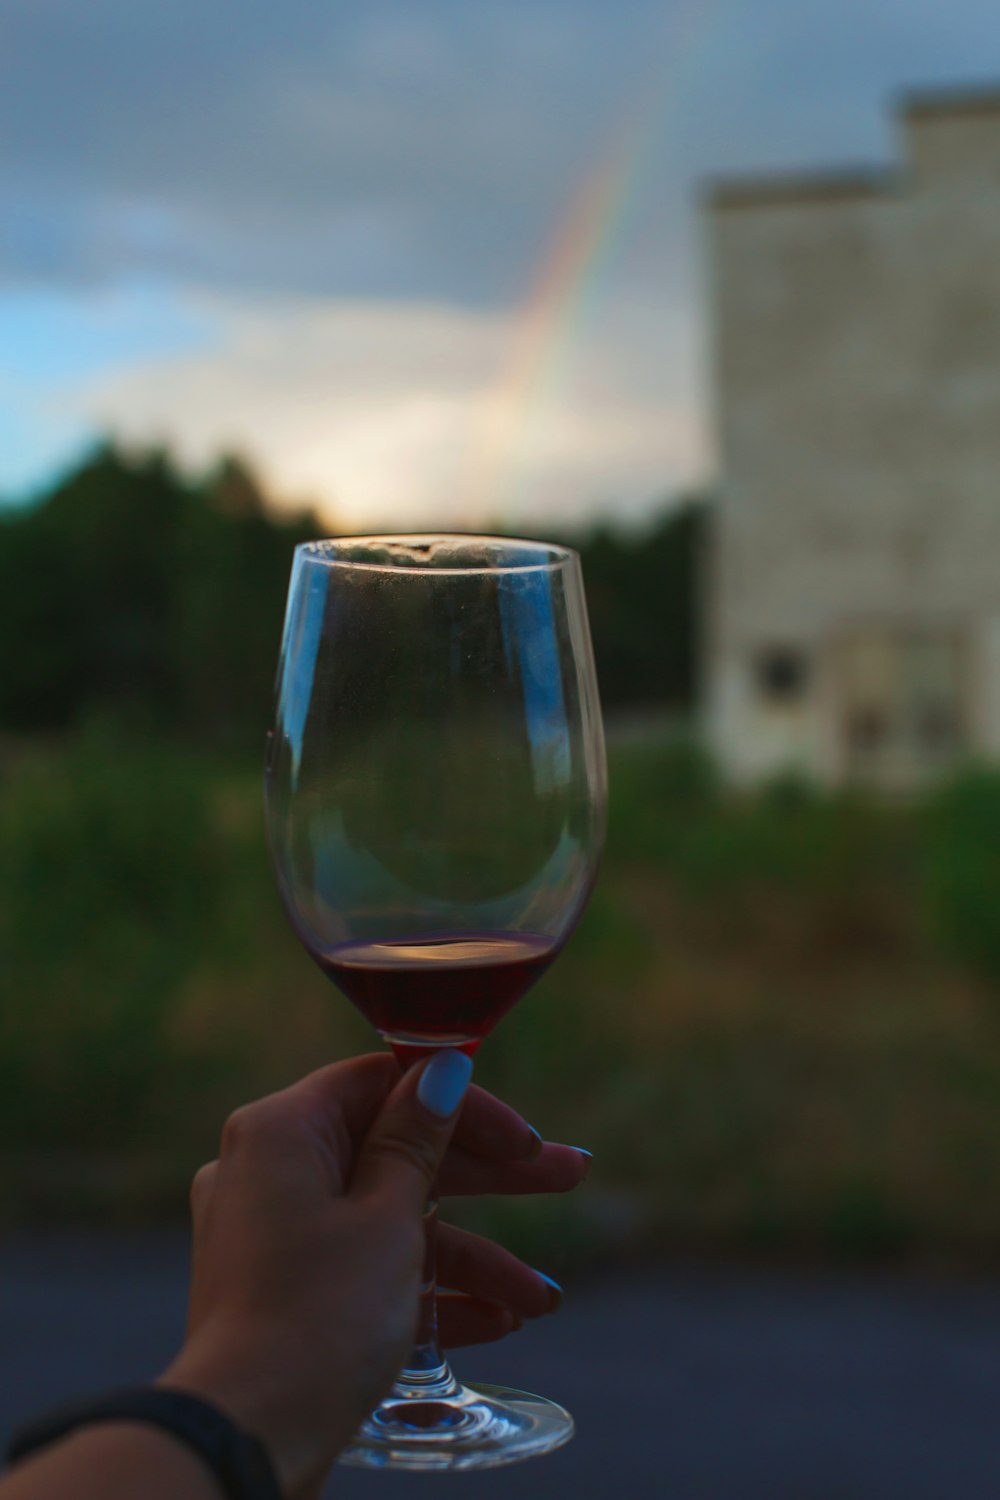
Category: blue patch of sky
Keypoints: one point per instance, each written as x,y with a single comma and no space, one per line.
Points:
34,448
53,343
49,334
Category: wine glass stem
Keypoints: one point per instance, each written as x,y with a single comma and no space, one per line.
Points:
426,1373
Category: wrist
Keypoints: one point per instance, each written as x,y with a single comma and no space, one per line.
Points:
135,1422
251,1393
114,1458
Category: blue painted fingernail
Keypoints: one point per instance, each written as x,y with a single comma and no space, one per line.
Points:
555,1291
444,1082
535,1149
583,1152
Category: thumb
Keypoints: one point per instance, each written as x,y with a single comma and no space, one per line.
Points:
403,1149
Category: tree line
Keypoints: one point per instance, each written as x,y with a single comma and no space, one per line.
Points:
130,588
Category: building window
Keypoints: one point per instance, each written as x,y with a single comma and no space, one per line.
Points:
936,729
781,673
867,730
901,699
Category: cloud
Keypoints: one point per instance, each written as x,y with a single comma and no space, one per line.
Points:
382,412
422,151
321,149
413,150
357,197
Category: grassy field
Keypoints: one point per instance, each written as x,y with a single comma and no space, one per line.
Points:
778,1027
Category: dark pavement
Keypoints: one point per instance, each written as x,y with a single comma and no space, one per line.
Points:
715,1384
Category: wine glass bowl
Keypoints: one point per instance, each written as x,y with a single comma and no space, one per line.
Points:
435,793
435,779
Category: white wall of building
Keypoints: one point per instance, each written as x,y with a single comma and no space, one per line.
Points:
857,379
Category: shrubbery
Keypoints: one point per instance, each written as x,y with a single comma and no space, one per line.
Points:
776,1026
961,869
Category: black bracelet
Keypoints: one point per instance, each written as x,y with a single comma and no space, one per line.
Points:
237,1459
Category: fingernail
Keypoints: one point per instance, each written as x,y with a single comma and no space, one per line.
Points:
444,1082
535,1149
555,1291
588,1157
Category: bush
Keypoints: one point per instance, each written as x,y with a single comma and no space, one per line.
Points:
750,1029
657,792
112,880
961,870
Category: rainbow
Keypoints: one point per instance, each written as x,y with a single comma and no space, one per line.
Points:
591,228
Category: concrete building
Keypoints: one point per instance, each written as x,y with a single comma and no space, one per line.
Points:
854,598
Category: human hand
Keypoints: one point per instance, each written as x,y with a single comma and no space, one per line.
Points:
309,1242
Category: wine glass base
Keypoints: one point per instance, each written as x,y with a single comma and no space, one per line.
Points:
478,1427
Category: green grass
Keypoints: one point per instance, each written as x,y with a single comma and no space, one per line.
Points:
778,1027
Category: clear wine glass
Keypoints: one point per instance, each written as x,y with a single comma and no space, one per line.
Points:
435,797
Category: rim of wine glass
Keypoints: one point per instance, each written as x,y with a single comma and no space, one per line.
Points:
557,556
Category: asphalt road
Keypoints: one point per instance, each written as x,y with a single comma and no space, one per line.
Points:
714,1384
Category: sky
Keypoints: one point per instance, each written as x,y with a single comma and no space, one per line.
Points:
423,264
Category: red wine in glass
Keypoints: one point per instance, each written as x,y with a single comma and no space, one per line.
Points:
435,794
443,990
